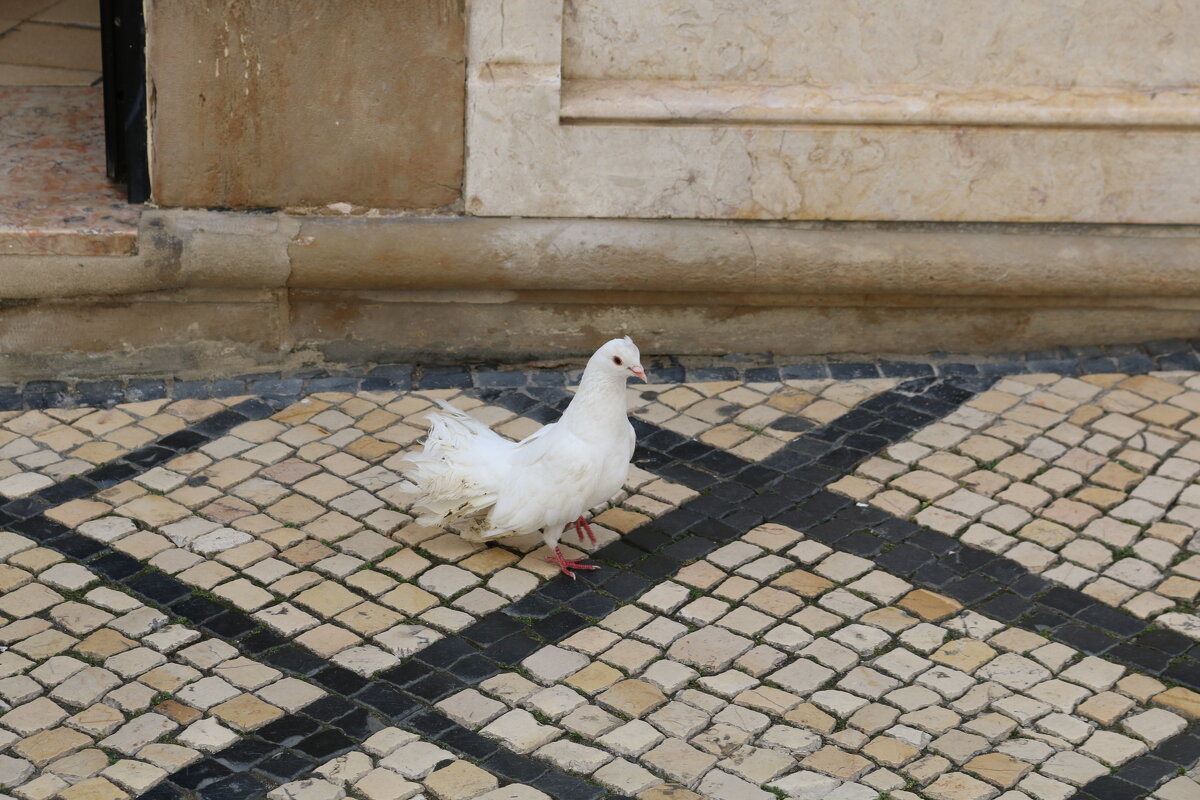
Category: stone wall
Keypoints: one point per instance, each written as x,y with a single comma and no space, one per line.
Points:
1031,111
261,103
527,178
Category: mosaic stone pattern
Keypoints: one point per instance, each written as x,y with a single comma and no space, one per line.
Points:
806,670
300,520
38,448
755,631
751,420
1088,481
102,695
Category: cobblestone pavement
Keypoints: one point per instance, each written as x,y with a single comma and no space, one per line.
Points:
850,581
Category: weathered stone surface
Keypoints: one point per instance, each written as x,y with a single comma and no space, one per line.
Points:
404,127
709,649
679,761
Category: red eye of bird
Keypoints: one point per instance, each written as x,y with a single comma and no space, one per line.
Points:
617,360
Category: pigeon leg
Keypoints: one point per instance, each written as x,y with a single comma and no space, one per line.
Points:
568,564
581,526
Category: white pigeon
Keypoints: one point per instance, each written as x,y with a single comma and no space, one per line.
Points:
545,481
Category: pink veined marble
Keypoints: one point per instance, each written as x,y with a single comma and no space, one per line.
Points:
57,199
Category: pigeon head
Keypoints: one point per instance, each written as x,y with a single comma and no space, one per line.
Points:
619,358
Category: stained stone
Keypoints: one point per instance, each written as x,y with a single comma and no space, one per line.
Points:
632,738
709,649
839,764
998,768
966,655
85,687
598,677
551,664
309,789
1185,701
404,640
34,716
170,757
589,721
1112,748
720,785
1074,768
459,781
387,741
521,731
948,682
957,786
806,785
416,760
1030,750
722,740
134,776
207,735
1155,725
959,746
96,788
633,698
625,777
574,757
802,676
679,761
757,764
890,752
346,769
863,639
44,747
14,771
679,720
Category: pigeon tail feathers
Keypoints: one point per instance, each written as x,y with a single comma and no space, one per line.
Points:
456,472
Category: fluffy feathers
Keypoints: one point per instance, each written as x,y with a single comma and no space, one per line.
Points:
542,483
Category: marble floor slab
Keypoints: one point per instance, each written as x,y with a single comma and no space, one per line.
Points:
57,199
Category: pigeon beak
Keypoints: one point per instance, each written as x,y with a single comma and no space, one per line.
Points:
639,372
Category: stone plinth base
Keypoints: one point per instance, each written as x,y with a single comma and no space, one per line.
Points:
224,292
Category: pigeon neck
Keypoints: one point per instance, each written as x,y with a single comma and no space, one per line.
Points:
600,399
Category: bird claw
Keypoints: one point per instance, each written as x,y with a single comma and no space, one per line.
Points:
581,526
568,564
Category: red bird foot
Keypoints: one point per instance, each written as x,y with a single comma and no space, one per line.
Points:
581,526
568,564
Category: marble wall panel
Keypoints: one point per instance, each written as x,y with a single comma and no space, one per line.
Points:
956,43
531,151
